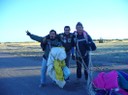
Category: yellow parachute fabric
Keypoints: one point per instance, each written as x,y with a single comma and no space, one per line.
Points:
58,65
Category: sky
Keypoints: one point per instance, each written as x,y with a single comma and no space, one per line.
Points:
107,19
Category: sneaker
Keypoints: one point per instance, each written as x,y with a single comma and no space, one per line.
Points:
42,85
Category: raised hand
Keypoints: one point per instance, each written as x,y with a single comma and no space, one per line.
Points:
28,33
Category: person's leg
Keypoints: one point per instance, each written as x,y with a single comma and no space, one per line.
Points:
79,67
73,53
43,71
86,74
67,60
86,63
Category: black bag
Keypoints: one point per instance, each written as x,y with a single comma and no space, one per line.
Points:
93,46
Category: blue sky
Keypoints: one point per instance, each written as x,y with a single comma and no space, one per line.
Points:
101,18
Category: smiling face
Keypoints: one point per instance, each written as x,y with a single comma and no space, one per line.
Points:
79,29
52,34
66,30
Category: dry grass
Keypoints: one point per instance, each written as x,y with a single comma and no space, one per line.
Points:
22,49
110,53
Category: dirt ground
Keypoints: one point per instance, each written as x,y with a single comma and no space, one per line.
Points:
21,76
20,65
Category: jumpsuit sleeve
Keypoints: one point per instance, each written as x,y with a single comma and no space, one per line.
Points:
36,38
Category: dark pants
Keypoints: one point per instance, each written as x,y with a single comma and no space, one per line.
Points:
67,60
79,66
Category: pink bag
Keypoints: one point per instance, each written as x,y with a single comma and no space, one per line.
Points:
106,80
